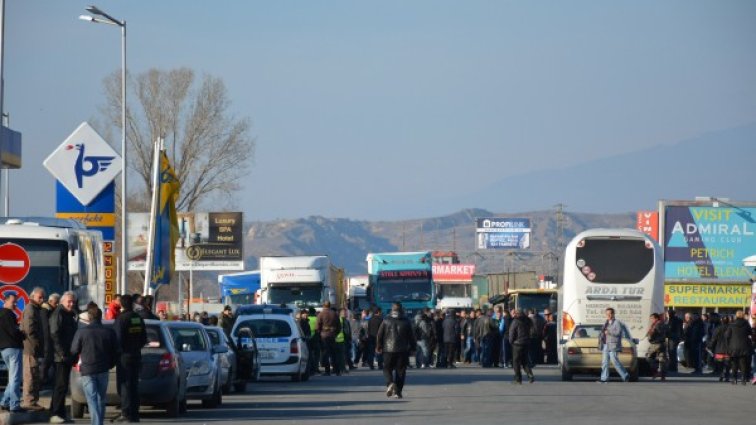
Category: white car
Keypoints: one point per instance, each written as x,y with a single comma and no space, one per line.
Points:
280,343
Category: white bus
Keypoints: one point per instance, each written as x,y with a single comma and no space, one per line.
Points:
619,268
57,255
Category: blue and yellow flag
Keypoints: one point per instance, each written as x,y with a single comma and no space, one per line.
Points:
166,225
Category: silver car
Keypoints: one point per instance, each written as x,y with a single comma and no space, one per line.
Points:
203,381
227,362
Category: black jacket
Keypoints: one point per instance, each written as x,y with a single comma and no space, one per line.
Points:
520,331
718,342
98,348
10,334
373,324
131,333
693,334
425,331
63,326
395,335
483,327
451,329
227,323
738,336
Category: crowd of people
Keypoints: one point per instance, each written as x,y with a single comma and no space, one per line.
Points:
54,335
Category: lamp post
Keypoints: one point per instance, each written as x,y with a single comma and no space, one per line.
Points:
103,18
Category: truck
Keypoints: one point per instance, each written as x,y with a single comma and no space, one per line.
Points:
357,295
536,299
297,281
453,285
239,288
57,255
405,277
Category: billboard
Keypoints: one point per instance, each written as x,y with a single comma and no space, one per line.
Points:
708,295
648,223
502,233
453,272
208,241
708,243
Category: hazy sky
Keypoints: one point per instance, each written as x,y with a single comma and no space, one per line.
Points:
361,107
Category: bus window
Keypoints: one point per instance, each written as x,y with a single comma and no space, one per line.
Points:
615,260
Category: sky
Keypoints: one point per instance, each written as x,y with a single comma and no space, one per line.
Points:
366,110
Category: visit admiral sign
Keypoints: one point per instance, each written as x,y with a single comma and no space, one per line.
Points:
84,164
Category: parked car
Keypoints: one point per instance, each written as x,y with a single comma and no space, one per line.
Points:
581,353
162,377
280,343
237,365
203,374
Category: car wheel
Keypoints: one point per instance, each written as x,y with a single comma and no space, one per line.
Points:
306,375
566,375
173,408
240,387
77,409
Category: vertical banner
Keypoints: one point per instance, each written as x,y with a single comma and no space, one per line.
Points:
648,223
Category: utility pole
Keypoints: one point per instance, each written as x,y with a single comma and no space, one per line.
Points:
422,243
454,239
560,220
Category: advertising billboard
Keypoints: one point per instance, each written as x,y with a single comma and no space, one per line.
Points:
502,233
648,223
453,272
708,295
208,241
708,243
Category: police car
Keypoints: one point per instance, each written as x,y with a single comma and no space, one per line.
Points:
280,342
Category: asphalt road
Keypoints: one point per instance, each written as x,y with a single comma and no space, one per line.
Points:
470,395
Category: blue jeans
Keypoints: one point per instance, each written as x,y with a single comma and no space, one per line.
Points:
611,355
469,348
422,354
95,389
12,395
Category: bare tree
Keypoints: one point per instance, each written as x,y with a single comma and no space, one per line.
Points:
210,150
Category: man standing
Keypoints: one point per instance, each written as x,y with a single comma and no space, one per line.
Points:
34,348
47,361
610,345
144,309
132,336
550,339
451,336
519,336
484,329
657,350
227,320
374,323
328,326
674,326
11,346
395,340
63,327
424,335
97,347
693,332
738,336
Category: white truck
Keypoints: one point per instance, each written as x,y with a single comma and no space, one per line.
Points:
357,296
298,282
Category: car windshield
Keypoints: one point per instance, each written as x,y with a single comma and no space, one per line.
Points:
188,337
301,295
266,328
404,290
593,331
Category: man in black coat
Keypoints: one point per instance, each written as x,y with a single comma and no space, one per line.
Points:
372,330
675,327
738,336
227,321
395,340
520,337
63,326
451,336
693,332
132,336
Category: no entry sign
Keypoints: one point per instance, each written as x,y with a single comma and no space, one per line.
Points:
14,263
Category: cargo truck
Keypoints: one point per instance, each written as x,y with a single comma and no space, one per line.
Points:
297,282
405,277
357,296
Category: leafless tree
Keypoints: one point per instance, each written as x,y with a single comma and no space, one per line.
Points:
209,148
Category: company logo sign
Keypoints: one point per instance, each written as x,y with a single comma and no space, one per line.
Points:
84,164
502,233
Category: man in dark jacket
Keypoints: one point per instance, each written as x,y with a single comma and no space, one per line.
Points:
451,337
132,336
11,346
144,308
738,336
34,349
395,340
63,326
484,329
693,333
328,326
227,320
674,326
425,334
97,347
519,336
374,323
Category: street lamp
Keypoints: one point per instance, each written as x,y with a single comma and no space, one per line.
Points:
103,18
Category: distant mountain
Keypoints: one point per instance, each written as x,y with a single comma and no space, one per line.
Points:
719,164
347,242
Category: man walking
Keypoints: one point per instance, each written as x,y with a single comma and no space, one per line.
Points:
738,336
519,336
11,346
34,348
97,347
131,336
395,340
610,344
328,326
63,327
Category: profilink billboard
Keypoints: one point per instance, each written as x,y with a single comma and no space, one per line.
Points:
703,243
502,233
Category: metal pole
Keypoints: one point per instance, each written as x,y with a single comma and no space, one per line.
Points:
2,55
124,232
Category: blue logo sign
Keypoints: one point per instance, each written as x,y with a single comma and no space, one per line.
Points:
95,164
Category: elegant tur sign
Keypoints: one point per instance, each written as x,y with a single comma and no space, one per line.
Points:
85,164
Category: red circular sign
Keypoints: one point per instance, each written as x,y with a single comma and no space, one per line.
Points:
22,298
14,263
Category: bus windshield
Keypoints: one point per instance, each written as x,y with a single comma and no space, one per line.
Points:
390,290
241,299
615,260
457,289
49,264
300,295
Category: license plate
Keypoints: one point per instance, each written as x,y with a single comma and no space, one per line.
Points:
266,355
